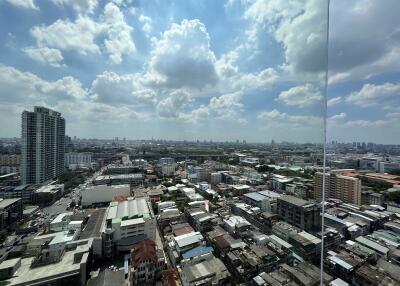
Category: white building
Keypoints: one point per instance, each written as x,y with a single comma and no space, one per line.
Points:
166,166
129,222
60,222
74,159
100,194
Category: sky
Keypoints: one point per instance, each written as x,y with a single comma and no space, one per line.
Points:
210,70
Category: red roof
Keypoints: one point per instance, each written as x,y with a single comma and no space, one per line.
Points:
183,230
170,277
146,250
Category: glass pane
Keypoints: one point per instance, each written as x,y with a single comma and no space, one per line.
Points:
185,137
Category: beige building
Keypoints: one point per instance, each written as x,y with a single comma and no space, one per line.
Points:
337,186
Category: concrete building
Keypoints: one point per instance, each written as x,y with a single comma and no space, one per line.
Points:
300,213
72,268
127,223
73,159
10,212
208,272
166,166
337,186
146,261
48,194
265,200
103,194
9,163
43,135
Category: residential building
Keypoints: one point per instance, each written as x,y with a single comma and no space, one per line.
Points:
166,166
208,272
74,159
9,163
10,212
337,186
43,134
300,213
146,262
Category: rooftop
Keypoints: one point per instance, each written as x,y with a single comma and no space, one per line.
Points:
131,208
4,203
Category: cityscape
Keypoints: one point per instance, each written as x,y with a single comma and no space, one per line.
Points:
199,143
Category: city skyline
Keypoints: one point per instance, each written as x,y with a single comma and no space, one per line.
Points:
213,70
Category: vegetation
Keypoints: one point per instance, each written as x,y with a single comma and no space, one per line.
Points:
376,186
71,180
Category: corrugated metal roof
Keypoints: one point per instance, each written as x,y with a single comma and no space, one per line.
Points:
197,252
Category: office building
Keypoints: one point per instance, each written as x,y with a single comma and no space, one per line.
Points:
43,134
337,186
299,213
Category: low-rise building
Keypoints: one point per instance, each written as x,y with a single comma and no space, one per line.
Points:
146,262
103,194
72,268
11,211
127,223
208,272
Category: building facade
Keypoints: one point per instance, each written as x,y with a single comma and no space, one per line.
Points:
344,188
42,151
299,213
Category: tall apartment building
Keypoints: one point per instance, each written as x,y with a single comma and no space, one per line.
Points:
42,152
337,186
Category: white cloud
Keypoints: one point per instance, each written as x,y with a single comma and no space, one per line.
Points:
371,94
298,25
119,41
363,51
80,6
81,35
232,79
114,89
301,96
275,116
227,106
337,118
66,35
23,3
45,55
182,57
147,23
174,104
30,89
334,101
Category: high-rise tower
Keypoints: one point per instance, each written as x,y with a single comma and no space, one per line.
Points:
43,135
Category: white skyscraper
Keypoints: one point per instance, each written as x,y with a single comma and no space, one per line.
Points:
43,134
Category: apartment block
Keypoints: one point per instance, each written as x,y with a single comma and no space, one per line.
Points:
42,151
337,186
